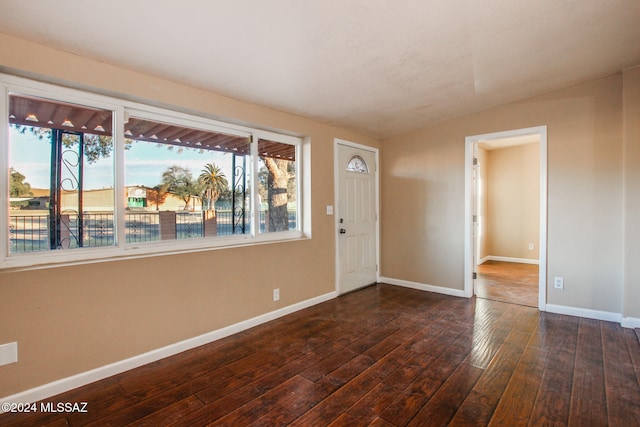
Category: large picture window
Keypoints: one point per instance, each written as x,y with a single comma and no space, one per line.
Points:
87,181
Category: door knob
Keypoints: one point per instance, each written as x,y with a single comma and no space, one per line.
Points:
342,231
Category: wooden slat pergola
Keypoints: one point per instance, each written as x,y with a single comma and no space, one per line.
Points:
29,111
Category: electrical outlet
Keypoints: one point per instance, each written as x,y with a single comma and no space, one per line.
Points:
8,353
530,246
558,282
276,294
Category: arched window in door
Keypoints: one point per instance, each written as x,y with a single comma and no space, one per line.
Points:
357,164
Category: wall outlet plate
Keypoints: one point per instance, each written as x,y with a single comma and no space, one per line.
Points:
558,282
276,294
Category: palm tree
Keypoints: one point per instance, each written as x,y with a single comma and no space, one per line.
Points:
214,182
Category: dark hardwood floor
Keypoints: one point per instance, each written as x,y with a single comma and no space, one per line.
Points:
511,282
382,356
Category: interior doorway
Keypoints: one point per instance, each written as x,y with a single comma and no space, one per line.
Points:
505,239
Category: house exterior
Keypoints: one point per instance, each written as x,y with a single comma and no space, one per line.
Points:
73,320
101,200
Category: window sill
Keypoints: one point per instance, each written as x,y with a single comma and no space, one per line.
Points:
52,259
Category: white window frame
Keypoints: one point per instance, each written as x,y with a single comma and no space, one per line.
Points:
122,250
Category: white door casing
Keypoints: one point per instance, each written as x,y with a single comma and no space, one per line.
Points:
356,216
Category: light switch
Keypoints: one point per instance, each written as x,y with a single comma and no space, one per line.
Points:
8,353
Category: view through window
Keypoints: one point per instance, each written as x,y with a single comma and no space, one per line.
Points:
181,181
61,176
184,183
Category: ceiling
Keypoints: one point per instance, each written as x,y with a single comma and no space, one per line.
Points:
378,67
497,144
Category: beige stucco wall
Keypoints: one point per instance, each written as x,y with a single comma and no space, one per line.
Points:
68,320
513,201
423,194
631,128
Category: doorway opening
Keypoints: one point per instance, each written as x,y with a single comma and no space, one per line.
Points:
505,229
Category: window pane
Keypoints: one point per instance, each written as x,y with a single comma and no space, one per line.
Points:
277,185
357,164
61,184
184,183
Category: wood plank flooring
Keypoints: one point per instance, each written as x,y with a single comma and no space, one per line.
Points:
382,356
511,282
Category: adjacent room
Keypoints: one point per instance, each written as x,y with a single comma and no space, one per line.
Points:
507,235
320,213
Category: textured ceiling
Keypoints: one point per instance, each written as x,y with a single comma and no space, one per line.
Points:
380,67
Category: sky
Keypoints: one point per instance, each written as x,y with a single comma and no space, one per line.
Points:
144,162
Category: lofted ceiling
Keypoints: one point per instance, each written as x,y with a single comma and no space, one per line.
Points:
379,67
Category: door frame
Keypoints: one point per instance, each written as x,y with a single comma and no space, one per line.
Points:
336,198
469,243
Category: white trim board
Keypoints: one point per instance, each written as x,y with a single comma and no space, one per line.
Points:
585,312
423,287
84,378
509,259
630,322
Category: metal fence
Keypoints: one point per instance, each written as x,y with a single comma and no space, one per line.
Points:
30,233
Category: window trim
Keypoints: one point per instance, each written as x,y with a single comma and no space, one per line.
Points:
121,110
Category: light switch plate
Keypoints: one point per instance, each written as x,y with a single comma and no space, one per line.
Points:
8,353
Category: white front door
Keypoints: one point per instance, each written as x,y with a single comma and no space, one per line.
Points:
357,218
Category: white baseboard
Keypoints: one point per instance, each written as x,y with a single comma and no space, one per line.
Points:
84,378
584,312
630,322
423,287
509,259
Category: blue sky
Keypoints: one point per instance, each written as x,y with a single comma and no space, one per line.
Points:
145,162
